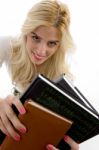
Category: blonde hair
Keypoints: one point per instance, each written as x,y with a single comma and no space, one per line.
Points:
47,13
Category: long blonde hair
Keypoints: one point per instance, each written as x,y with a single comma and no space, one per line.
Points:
47,13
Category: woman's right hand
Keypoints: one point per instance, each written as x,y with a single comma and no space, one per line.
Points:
9,122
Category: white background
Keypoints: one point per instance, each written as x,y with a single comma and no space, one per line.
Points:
85,31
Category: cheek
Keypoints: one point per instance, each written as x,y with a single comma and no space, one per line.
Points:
29,44
52,52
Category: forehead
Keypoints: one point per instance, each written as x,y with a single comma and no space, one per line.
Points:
49,33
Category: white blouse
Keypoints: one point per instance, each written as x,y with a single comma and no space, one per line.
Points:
4,49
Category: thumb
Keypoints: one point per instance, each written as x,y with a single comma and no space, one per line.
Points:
51,147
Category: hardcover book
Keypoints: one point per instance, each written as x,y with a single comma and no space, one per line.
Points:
43,127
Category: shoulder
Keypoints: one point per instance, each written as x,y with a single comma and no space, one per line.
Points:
5,46
5,42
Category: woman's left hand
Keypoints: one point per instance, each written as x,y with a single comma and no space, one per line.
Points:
67,139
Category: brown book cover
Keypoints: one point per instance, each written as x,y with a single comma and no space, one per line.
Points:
43,127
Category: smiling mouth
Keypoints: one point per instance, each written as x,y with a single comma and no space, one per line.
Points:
37,56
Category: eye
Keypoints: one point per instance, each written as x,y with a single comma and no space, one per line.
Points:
35,38
52,44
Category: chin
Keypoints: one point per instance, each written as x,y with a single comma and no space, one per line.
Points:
40,63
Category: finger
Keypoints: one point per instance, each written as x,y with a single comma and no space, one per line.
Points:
8,129
13,100
51,147
7,114
14,120
19,106
3,129
9,118
11,115
71,142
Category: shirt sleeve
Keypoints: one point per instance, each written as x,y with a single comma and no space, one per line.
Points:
4,49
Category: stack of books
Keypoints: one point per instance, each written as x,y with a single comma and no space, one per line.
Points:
67,104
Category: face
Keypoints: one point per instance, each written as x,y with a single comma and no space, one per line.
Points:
42,43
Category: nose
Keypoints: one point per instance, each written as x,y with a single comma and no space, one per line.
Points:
42,48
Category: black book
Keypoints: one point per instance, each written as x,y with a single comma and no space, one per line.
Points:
67,103
67,86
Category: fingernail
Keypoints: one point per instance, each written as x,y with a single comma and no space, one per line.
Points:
22,130
7,133
17,137
26,101
49,147
65,137
22,111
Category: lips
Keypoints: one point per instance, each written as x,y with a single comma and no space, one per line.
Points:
37,56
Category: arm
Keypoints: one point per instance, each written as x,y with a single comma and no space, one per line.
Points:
9,123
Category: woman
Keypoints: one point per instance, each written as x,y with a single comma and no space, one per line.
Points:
42,47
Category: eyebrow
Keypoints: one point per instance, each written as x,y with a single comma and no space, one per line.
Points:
36,34
41,38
